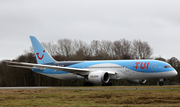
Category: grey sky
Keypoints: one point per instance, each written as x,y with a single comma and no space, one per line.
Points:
154,21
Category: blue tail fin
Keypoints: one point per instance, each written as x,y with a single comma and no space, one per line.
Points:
42,56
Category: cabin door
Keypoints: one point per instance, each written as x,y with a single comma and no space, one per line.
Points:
154,67
128,70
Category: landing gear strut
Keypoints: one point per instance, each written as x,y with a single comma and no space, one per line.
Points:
161,81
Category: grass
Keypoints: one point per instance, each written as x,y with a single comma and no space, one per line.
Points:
96,96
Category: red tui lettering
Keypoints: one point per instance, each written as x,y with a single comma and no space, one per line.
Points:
144,65
141,66
137,64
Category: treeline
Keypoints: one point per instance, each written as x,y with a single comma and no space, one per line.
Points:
98,50
66,49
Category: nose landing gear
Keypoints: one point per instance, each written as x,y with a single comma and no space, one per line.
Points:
161,81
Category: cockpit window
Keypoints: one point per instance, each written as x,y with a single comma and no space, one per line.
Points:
167,66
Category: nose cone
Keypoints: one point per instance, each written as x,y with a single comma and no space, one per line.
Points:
174,73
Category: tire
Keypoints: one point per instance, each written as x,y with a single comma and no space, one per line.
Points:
161,83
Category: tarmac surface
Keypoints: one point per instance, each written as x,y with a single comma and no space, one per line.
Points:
23,87
98,88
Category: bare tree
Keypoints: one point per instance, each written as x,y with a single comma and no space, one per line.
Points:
122,49
50,47
106,49
95,47
141,50
65,47
82,49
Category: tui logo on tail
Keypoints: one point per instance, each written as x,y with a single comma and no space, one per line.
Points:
41,56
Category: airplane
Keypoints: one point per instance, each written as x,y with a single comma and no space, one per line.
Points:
98,71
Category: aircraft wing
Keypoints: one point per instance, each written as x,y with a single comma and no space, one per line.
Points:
77,71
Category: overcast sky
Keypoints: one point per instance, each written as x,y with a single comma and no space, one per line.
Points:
154,21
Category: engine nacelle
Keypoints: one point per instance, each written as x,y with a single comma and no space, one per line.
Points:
138,81
98,77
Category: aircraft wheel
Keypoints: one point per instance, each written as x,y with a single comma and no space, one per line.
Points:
161,83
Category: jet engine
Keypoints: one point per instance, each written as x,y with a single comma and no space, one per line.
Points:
98,77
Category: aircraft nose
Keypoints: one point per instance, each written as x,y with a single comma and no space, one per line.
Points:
174,73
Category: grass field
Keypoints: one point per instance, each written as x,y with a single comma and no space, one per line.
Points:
95,96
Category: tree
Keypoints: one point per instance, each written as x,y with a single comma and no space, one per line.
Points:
174,62
160,58
65,47
95,47
82,49
141,50
122,49
106,49
50,47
